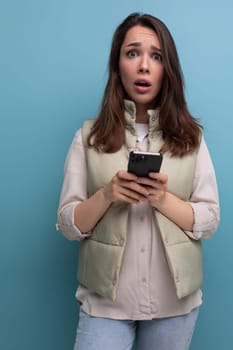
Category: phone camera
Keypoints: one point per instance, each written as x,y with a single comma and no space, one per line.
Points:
138,157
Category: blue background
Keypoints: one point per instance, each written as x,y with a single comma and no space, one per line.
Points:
53,63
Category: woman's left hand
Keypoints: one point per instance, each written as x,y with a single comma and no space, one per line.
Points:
174,208
156,186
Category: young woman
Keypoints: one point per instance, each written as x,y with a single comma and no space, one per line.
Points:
140,255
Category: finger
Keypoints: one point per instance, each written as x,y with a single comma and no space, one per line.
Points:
126,175
133,195
135,187
127,195
144,181
130,189
124,198
160,177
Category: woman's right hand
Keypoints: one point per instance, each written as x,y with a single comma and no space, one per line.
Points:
123,187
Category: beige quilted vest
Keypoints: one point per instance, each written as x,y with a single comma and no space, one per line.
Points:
100,256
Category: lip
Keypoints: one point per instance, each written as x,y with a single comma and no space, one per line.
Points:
141,88
142,81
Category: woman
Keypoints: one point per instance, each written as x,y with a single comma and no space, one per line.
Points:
140,254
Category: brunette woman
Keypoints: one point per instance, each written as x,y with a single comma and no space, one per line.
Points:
140,261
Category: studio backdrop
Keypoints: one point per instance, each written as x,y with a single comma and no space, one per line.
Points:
53,65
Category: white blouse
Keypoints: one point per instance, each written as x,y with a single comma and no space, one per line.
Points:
146,289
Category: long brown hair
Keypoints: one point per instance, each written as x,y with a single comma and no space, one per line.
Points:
180,130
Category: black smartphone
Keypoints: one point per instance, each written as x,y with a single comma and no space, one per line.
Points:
142,163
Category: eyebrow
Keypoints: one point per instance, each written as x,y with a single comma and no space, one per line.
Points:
137,44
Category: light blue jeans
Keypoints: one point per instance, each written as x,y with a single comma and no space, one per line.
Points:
172,333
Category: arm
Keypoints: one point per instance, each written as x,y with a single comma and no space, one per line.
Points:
73,189
77,214
122,187
199,216
177,210
204,199
174,208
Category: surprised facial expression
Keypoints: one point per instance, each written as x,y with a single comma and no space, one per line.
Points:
141,67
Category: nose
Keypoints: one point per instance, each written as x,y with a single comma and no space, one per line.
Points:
143,65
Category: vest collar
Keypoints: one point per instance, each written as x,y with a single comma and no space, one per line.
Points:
130,118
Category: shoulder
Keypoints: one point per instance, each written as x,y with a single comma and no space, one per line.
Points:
86,129
202,146
204,160
87,124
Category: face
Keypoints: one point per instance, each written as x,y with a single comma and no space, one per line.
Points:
140,65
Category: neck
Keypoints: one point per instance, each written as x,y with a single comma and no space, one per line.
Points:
141,114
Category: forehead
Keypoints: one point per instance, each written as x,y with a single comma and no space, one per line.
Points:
141,34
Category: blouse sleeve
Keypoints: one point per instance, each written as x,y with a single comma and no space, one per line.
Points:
204,199
74,189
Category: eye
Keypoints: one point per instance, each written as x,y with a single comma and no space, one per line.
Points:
132,53
156,56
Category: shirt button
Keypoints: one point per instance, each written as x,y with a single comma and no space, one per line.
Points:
144,279
141,218
142,250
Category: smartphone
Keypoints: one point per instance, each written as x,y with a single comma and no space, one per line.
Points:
142,163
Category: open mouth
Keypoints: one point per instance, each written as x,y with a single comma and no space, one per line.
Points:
142,83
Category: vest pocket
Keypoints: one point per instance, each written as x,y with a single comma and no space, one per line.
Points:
185,263
99,267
